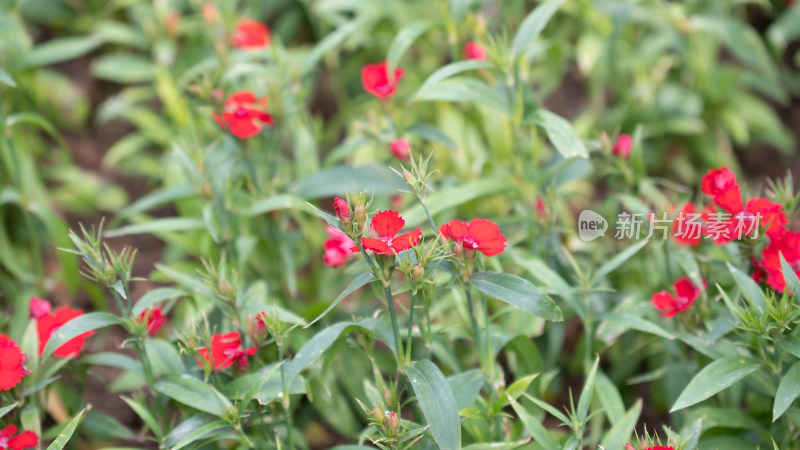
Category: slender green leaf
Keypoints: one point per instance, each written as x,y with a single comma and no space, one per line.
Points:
357,283
582,413
788,390
158,226
275,203
6,409
790,276
201,433
533,24
6,79
155,296
146,416
405,37
751,291
540,434
613,263
58,50
158,198
449,70
192,392
343,179
66,434
622,429
437,402
517,292
715,377
465,89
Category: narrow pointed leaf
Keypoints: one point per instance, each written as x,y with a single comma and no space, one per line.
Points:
788,390
517,292
357,283
715,377
437,402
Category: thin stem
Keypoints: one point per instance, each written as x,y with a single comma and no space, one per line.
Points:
395,326
475,327
286,413
428,213
410,326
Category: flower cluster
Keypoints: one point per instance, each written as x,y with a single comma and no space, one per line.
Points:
685,295
226,350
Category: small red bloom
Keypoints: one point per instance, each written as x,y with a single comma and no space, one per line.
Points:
22,441
387,224
341,208
787,244
473,50
12,363
226,349
244,115
154,318
685,295
338,247
687,228
38,307
622,147
773,218
482,235
659,447
720,185
47,324
541,208
250,34
401,148
376,79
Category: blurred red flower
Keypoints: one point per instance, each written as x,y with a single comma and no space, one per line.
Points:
24,440
226,349
387,224
482,235
687,227
685,295
473,50
401,148
154,318
720,185
244,115
48,323
12,363
38,307
622,146
341,207
250,34
338,247
376,79
788,244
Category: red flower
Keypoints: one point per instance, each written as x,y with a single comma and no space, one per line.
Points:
376,79
154,318
788,244
685,295
26,439
387,224
250,34
473,50
541,208
659,447
244,115
338,247
47,324
687,228
38,307
226,349
401,148
720,184
773,218
480,234
12,368
341,207
622,147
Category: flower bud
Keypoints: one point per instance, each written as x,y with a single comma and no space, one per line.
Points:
392,424
409,177
622,147
458,250
417,274
377,414
475,51
541,208
341,207
401,148
256,329
210,13
360,214
38,307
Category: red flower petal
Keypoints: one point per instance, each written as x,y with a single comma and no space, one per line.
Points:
377,246
12,369
375,79
387,223
487,236
24,440
454,230
49,323
250,34
407,240
664,302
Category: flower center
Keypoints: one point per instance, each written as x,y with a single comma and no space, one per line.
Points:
3,442
241,112
469,243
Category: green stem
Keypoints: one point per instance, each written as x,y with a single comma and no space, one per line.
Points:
428,213
410,326
395,326
476,328
286,413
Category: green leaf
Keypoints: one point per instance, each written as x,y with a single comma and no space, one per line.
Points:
146,416
275,203
689,265
77,326
788,390
449,70
330,41
517,292
405,37
6,79
158,198
437,402
533,24
357,283
715,377
163,357
790,276
6,409
741,40
112,359
201,433
622,429
582,413
66,434
192,392
123,68
464,89
789,344
628,320
343,179
560,132
613,263
536,429
158,226
749,287
155,296
58,50
466,387
610,398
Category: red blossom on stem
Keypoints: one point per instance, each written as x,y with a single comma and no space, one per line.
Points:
22,441
786,243
386,224
38,307
154,318
12,363
482,235
341,208
244,115
401,149
622,147
686,294
720,185
473,50
250,34
226,349
376,79
48,323
338,247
